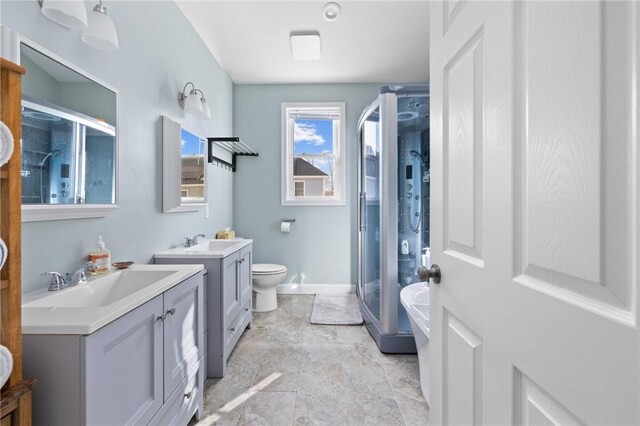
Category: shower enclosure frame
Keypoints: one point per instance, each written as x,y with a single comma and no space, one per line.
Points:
385,330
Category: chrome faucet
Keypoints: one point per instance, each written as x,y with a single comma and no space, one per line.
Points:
57,281
189,242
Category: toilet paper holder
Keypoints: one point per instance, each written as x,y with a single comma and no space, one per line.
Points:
289,220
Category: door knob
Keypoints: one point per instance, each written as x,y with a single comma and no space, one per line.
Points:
433,273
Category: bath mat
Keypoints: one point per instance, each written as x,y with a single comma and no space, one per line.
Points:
336,309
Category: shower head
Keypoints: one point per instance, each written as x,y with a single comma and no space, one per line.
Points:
55,153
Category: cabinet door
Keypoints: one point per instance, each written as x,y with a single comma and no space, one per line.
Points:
123,382
230,287
245,277
183,326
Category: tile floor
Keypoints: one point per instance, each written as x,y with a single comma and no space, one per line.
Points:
286,371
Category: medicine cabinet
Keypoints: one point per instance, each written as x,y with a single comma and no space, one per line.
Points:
184,168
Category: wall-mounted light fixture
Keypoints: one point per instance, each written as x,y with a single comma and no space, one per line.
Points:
70,13
101,32
98,28
194,101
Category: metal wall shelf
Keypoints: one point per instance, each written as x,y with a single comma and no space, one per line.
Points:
232,144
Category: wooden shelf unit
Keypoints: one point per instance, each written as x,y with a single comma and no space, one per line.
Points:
15,399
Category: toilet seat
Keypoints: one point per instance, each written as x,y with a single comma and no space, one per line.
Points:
268,269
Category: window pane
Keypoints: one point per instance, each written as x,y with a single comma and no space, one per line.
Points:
318,175
312,136
299,190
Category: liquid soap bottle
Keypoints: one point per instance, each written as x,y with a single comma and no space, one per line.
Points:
101,258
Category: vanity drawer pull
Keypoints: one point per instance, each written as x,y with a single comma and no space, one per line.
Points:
188,395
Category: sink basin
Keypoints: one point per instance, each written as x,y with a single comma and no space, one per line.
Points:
205,249
86,308
102,291
213,245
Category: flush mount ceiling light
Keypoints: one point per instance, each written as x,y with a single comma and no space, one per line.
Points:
305,46
194,102
101,32
68,13
331,11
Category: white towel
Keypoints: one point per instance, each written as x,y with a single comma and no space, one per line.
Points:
6,365
4,252
6,143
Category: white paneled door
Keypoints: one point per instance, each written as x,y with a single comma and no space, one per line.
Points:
535,216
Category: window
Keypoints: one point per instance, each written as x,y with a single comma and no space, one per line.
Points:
313,151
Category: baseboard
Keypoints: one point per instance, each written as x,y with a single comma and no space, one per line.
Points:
292,288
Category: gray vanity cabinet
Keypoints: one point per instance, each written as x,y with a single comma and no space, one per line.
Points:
229,303
123,369
145,367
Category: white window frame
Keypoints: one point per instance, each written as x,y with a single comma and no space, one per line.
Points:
287,186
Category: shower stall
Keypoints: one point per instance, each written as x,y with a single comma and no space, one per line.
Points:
67,157
393,209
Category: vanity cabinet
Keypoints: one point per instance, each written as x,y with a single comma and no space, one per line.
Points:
229,302
146,367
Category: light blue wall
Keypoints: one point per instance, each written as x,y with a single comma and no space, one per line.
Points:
322,245
159,52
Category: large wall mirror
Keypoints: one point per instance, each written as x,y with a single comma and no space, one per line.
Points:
69,140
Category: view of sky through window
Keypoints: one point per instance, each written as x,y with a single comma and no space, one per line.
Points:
191,144
313,137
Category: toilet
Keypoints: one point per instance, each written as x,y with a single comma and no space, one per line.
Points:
415,299
266,276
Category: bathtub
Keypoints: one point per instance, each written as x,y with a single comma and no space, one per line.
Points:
415,299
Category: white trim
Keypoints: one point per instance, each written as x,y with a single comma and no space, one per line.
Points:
294,288
286,149
39,213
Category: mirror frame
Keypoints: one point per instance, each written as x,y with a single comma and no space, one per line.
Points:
36,213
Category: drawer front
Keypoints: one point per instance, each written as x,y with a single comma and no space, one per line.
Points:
233,331
183,331
187,398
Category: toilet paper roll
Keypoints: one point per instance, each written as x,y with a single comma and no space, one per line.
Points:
285,226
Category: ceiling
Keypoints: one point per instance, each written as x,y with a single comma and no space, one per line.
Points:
370,42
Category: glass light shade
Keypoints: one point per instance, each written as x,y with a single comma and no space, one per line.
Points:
206,112
193,104
101,32
68,13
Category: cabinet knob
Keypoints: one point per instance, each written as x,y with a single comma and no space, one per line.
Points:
162,317
171,311
246,309
232,329
188,395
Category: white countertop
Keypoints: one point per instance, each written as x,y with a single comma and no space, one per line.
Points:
206,249
44,312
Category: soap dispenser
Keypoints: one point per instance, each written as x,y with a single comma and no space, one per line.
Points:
101,258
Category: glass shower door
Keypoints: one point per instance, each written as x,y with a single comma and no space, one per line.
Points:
370,146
